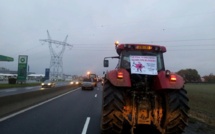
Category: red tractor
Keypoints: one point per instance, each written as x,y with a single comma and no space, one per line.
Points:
139,92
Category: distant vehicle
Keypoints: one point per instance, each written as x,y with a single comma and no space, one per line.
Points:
102,82
75,82
48,84
93,78
87,84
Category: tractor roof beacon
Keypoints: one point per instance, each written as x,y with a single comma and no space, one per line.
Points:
139,92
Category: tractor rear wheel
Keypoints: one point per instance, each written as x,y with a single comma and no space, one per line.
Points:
176,111
112,110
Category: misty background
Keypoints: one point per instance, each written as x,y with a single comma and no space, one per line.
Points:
185,27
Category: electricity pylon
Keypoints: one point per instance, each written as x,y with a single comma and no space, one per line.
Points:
56,63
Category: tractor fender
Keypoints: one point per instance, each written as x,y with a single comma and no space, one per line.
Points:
162,81
119,82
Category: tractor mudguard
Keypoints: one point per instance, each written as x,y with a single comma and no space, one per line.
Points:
162,81
120,81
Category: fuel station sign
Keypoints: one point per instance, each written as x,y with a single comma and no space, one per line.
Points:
22,68
23,59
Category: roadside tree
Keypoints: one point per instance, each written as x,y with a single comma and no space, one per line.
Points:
190,75
209,78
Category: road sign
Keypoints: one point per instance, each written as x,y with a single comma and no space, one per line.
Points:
22,68
23,59
47,71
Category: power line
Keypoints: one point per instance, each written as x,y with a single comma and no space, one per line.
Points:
192,49
109,46
190,45
202,45
182,40
167,49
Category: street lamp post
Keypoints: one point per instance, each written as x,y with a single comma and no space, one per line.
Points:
88,74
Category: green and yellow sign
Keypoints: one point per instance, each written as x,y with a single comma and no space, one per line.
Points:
22,68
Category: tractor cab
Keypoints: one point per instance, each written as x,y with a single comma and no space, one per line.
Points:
141,62
133,55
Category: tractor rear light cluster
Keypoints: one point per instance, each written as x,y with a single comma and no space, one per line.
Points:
119,75
171,77
140,47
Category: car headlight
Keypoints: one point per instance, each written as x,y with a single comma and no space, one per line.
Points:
71,82
77,82
49,84
42,84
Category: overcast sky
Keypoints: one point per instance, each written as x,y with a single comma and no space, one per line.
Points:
185,27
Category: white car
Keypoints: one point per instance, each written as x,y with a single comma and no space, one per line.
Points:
75,83
87,84
48,84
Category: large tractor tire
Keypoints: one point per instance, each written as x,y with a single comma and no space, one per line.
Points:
176,111
112,110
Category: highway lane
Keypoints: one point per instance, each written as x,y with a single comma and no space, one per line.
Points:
12,91
65,115
77,112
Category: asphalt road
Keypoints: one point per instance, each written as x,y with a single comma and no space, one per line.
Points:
77,112
65,115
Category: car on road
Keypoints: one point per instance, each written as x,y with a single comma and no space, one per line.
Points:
87,84
48,84
75,82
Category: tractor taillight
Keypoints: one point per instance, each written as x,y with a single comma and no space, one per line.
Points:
119,75
173,78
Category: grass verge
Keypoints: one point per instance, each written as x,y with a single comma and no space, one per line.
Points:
202,101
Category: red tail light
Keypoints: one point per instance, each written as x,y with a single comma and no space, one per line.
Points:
119,75
173,78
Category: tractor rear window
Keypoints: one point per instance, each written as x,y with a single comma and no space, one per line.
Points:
125,58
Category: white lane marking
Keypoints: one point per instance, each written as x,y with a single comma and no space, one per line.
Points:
34,106
29,88
95,95
84,131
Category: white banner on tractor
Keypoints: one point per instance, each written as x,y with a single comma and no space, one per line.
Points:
143,65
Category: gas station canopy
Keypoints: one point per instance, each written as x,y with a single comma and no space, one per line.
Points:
5,58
